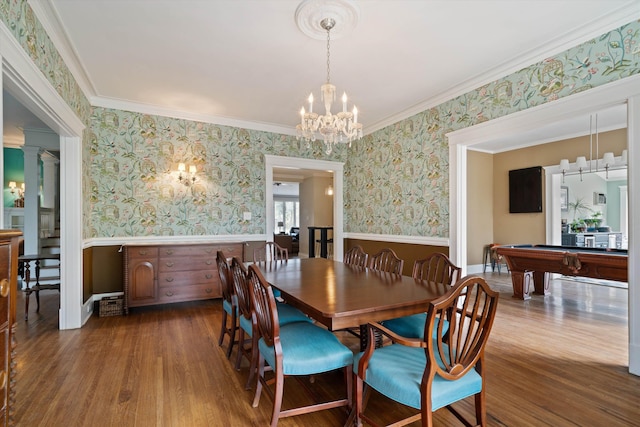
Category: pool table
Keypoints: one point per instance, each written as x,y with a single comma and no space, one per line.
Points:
531,265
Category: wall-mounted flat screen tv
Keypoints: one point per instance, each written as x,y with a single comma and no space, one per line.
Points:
525,190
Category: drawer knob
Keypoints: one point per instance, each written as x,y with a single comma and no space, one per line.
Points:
208,262
169,279
169,294
169,264
208,276
208,290
4,288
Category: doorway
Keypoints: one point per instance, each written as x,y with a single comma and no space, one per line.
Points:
625,90
336,168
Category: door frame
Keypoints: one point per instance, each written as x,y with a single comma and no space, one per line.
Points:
22,78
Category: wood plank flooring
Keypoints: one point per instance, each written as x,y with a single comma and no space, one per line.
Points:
559,360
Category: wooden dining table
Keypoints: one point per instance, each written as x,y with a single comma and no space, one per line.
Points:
340,295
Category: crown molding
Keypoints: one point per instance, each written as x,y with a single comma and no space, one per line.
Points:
48,16
571,38
118,104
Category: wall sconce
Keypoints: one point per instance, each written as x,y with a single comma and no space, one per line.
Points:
19,202
187,178
329,191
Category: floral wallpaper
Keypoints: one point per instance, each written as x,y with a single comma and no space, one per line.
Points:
134,186
396,179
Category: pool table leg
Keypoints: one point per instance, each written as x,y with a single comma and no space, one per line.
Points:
522,284
541,282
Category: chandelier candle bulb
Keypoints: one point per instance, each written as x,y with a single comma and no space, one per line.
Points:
344,102
355,115
311,103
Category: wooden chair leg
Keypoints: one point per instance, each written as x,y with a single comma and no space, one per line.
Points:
277,398
358,409
256,397
223,328
232,333
253,366
241,349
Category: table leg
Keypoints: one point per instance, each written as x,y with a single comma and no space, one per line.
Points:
522,284
312,242
541,282
323,242
27,289
37,287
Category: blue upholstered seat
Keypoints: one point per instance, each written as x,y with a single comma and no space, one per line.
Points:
401,381
411,326
307,349
286,314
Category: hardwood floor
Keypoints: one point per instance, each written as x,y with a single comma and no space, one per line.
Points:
559,360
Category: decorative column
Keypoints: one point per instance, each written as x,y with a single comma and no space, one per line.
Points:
49,194
31,199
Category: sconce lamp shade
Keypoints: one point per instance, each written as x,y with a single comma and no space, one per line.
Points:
181,167
280,224
12,185
623,158
564,165
608,159
192,169
581,162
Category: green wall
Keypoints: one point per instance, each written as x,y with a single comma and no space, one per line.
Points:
13,171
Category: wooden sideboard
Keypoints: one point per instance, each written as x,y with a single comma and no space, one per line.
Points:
163,274
9,248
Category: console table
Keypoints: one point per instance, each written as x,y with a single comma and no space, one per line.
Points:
168,273
25,269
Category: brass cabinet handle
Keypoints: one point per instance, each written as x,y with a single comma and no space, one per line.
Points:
169,294
209,290
169,264
169,251
208,262
209,250
141,252
208,276
4,288
169,279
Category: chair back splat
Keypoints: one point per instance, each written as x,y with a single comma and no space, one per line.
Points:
356,256
229,305
436,268
271,252
386,260
446,366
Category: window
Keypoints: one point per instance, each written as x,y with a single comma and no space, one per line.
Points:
286,211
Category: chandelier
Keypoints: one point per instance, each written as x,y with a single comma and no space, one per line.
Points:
342,127
608,162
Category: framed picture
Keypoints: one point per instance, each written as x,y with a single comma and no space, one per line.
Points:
564,198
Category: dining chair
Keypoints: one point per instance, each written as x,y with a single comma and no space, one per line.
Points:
428,374
436,268
294,349
386,260
356,256
247,341
229,303
271,252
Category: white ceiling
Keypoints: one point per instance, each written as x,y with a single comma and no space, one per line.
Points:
245,62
